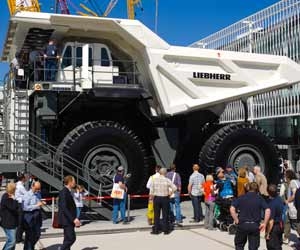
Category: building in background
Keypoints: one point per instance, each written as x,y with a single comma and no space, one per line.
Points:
274,30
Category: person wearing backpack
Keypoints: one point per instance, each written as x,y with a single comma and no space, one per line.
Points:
224,186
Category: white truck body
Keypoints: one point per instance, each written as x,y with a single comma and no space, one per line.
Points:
180,79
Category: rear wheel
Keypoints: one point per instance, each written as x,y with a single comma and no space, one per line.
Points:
241,145
103,146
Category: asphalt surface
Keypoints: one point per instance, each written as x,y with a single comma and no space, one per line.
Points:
95,234
177,240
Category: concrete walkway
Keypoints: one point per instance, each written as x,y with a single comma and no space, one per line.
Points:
106,235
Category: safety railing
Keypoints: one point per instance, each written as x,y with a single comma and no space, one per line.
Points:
274,104
69,70
99,199
51,161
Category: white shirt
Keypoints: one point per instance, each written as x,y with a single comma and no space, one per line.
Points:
78,198
149,182
20,191
251,177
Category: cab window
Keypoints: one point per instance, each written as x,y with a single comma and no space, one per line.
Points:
104,57
90,57
78,56
67,58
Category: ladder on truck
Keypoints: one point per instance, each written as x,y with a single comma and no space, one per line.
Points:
27,151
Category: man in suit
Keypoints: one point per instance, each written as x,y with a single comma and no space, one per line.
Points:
67,213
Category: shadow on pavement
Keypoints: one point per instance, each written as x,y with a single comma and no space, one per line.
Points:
89,248
53,247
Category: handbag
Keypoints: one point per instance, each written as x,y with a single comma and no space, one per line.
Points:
292,211
171,192
55,223
117,192
150,212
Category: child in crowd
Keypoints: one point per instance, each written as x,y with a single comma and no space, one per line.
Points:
78,196
209,198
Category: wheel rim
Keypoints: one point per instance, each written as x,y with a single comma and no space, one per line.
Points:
246,155
101,163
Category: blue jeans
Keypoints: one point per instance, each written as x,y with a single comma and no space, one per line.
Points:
119,204
10,243
78,211
175,207
196,202
51,69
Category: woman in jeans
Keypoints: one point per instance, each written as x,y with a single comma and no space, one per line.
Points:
9,215
209,198
78,196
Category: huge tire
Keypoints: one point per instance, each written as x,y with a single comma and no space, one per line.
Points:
101,147
240,145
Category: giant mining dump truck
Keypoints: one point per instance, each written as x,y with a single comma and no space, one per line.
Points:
124,96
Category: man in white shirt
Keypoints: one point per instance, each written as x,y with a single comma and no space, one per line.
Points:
150,212
150,180
19,195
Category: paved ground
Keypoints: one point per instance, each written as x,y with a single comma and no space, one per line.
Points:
104,235
177,240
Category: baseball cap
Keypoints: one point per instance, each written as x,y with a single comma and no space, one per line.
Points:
218,170
120,168
229,166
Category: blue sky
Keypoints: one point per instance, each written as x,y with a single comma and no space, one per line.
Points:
179,22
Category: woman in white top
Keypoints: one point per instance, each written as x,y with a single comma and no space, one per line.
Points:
78,196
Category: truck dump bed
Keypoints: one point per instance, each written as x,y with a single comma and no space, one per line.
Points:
180,79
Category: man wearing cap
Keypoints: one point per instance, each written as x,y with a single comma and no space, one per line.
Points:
224,186
119,204
231,174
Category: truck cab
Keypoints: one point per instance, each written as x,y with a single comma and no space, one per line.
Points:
86,64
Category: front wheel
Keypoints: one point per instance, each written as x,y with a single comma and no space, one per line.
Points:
102,147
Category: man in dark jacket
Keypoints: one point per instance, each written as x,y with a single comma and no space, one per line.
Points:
67,213
274,229
9,214
51,57
248,220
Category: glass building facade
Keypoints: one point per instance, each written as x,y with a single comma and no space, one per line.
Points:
274,30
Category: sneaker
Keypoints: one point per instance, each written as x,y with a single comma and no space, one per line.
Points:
285,241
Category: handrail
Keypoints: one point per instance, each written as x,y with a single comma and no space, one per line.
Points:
57,162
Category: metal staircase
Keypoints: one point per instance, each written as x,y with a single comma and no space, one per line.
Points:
26,151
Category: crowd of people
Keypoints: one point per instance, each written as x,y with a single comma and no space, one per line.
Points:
225,194
20,211
227,197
